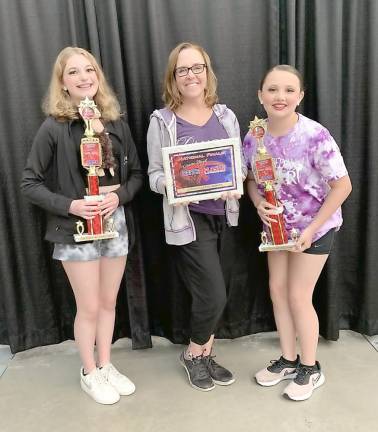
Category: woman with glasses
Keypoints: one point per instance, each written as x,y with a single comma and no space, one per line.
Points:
195,229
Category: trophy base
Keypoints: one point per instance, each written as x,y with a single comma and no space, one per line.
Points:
90,237
269,247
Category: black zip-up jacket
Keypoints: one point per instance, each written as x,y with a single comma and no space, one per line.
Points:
52,176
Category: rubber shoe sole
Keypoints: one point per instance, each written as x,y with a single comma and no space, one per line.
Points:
193,385
306,396
224,383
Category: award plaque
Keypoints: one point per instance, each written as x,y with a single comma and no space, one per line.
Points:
204,170
265,174
91,159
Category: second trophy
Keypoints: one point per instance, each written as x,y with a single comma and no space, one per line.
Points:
276,238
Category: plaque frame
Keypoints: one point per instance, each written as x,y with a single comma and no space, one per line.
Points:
204,170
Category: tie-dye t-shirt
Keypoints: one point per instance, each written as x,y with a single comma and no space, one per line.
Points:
306,158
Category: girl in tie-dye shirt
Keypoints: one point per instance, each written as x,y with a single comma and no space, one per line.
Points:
312,183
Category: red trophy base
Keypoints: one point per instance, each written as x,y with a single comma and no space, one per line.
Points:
277,229
98,229
269,246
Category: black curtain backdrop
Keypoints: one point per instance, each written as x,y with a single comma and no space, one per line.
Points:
333,43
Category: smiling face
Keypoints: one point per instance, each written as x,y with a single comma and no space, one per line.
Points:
191,86
80,78
280,94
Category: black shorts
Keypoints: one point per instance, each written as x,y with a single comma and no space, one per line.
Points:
323,245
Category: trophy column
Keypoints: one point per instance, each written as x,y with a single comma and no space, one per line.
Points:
265,174
91,159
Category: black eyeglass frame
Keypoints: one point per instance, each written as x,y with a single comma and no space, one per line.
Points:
204,66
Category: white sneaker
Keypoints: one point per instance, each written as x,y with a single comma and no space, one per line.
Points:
120,382
98,388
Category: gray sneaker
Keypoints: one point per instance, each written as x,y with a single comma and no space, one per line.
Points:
197,371
218,373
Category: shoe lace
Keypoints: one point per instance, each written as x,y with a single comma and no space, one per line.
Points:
278,365
110,369
303,372
98,378
210,361
278,362
200,365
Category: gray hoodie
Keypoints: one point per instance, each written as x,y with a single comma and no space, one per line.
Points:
178,224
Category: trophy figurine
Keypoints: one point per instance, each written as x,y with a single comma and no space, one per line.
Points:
265,174
91,159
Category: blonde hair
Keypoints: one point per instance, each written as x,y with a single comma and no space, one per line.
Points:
171,95
58,103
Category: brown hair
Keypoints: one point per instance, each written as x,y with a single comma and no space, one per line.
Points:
171,96
285,68
58,103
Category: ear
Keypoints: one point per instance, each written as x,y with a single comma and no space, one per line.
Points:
301,96
259,96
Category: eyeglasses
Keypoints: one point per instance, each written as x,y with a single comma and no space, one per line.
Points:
196,69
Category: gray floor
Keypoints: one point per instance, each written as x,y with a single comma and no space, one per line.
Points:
39,391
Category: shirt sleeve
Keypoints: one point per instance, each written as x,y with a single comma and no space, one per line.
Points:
326,156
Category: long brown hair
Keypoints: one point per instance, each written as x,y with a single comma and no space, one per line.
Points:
58,102
171,95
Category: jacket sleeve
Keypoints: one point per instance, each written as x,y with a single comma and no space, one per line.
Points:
237,134
155,158
33,183
134,180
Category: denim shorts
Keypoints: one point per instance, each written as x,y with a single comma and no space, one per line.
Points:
111,248
323,245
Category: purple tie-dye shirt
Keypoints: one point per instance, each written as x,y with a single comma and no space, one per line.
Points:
306,159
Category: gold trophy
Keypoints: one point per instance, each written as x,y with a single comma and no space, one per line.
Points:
265,174
91,159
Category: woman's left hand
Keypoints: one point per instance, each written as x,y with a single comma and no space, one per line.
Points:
304,241
109,204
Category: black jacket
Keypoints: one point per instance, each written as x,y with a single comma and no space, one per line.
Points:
52,176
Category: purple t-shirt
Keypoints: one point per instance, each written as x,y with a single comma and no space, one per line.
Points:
306,159
188,133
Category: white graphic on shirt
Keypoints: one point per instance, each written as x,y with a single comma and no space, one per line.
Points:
185,140
288,171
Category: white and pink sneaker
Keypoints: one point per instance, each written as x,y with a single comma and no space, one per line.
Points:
307,380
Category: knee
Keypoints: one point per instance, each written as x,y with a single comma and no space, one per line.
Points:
88,312
298,300
278,292
108,303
